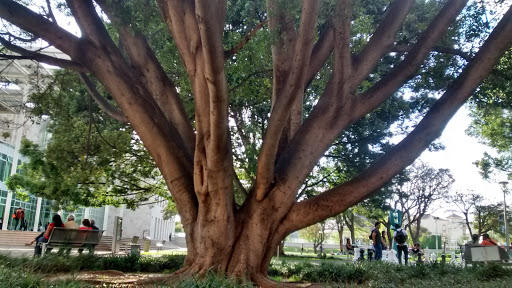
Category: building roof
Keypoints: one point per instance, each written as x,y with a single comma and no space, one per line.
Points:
17,76
454,216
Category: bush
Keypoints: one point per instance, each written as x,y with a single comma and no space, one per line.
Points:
54,263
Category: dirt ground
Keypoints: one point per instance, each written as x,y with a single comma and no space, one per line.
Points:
113,278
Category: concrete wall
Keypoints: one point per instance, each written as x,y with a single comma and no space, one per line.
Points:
146,220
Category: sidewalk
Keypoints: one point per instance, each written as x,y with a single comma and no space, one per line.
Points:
28,251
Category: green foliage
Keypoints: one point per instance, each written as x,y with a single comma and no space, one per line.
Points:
379,274
91,159
491,107
28,272
429,241
54,263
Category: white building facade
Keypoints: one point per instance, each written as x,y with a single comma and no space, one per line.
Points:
147,220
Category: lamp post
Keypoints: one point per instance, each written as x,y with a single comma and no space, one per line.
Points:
436,218
505,190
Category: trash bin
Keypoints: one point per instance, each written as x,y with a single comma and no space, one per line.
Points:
147,244
135,249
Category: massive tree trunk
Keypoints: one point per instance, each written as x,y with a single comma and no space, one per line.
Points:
196,160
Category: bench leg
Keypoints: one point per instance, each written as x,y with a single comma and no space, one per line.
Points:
43,249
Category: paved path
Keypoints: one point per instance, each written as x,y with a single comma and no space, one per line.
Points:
28,251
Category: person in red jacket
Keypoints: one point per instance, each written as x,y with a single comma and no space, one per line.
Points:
86,225
56,222
488,241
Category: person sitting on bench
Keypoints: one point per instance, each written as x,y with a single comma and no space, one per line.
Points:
56,222
488,241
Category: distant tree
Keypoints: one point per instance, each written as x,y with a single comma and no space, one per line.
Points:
424,187
466,204
314,234
489,217
340,226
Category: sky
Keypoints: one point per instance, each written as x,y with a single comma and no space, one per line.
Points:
460,153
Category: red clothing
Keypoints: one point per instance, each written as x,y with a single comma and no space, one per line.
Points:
49,230
85,228
489,242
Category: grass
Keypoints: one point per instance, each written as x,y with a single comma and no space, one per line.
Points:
378,274
29,272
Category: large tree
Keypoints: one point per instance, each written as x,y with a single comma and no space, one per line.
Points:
308,40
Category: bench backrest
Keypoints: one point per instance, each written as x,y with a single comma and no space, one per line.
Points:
65,236
479,253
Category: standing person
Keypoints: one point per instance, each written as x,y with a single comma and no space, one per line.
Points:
22,218
400,237
16,218
1,223
56,222
71,224
26,225
384,240
377,241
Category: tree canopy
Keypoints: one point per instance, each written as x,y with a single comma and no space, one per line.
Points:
300,74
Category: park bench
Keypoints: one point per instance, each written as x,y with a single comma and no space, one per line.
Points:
72,238
478,254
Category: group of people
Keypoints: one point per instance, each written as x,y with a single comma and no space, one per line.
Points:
19,218
57,222
400,236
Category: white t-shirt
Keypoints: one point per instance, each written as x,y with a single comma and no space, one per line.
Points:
405,233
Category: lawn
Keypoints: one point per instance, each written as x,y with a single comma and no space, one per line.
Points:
91,270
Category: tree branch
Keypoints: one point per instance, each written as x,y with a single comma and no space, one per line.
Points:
104,105
321,52
36,24
377,94
231,89
89,22
229,53
294,86
445,50
50,12
338,199
32,55
164,92
382,39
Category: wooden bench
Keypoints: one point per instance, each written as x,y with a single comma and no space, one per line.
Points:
478,254
72,238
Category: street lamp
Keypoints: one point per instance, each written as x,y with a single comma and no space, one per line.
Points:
505,190
436,218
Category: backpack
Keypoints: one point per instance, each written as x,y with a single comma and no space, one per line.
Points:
370,237
400,236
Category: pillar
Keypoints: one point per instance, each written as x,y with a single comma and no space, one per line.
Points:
38,214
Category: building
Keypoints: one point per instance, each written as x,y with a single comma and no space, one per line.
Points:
452,229
15,84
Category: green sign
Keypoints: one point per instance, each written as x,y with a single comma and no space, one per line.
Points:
395,217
